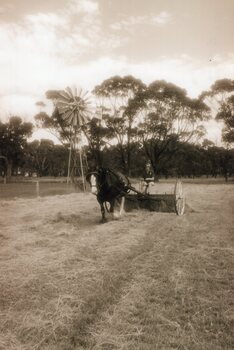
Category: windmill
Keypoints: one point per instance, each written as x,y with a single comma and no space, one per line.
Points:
74,107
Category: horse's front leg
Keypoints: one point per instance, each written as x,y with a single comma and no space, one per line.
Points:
103,212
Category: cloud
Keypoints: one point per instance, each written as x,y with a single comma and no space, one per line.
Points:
4,9
19,105
161,19
131,22
84,6
32,49
41,50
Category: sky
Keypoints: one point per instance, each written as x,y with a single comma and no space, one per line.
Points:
52,44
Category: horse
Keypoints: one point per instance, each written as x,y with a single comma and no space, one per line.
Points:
109,187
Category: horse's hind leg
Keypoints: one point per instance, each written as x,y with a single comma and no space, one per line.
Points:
121,210
117,212
112,209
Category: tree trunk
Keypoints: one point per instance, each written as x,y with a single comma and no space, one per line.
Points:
9,166
156,176
129,156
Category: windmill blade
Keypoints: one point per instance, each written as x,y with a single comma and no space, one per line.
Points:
62,104
75,119
63,95
84,94
70,92
68,117
87,101
74,91
63,108
81,121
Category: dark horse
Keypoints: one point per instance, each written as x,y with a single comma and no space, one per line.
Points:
109,187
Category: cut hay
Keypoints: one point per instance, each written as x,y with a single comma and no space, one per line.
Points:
150,280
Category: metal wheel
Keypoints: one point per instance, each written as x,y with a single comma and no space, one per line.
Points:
179,198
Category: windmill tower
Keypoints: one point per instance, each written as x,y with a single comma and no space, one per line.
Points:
74,107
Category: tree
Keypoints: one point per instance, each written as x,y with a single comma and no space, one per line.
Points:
58,163
221,97
45,158
226,113
95,133
167,116
40,104
3,166
55,124
114,95
39,153
13,140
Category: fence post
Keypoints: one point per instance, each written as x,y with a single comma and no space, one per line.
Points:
37,189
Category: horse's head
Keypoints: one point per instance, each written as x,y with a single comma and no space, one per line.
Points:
92,179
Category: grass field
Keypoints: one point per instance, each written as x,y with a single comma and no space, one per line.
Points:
149,281
34,189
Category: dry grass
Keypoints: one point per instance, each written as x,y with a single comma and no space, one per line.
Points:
32,189
148,281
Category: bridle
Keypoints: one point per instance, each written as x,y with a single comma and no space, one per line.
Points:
97,185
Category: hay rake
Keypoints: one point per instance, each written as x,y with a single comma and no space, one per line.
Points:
166,202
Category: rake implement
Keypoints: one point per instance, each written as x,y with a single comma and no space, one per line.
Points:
165,202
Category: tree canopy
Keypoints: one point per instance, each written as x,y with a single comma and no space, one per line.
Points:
221,97
113,97
167,116
132,126
13,140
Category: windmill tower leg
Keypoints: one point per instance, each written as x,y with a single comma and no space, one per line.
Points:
69,165
82,169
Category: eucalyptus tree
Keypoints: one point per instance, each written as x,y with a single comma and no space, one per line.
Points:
226,114
54,123
166,117
221,97
113,97
38,156
95,133
45,158
13,140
